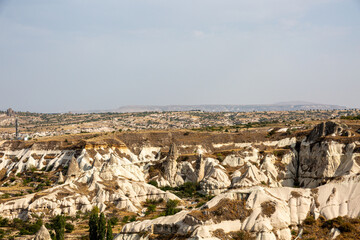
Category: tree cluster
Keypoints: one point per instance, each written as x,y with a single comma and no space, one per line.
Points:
99,228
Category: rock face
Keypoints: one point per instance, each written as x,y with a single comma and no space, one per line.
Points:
42,234
261,177
320,161
270,212
326,129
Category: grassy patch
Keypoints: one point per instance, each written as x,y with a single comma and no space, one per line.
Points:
267,208
226,209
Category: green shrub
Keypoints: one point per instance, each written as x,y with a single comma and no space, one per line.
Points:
40,187
167,188
279,153
27,228
114,221
340,223
5,195
309,220
4,222
125,219
2,234
200,204
171,207
220,157
154,183
26,181
346,227
69,227
150,209
351,117
188,189
272,132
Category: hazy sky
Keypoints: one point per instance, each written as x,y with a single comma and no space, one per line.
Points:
63,55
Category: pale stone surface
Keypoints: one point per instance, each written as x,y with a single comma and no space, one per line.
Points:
42,234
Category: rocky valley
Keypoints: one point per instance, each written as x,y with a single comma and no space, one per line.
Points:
180,120
266,183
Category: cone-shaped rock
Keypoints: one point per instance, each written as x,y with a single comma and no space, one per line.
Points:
73,170
42,234
113,160
97,163
61,178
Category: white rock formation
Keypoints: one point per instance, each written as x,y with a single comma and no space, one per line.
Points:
290,207
42,234
261,174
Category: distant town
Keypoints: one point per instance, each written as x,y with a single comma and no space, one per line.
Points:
34,125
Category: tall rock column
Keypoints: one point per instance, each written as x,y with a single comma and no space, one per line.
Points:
170,165
200,168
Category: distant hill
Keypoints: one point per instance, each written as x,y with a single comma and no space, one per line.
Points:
283,106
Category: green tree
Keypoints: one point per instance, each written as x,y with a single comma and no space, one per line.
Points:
101,227
109,234
93,224
58,224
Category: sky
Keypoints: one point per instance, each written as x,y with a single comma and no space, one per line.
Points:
66,55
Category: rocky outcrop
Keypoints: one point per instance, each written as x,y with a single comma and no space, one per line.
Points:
274,212
42,234
119,181
170,165
260,175
328,129
317,162
215,178
200,168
